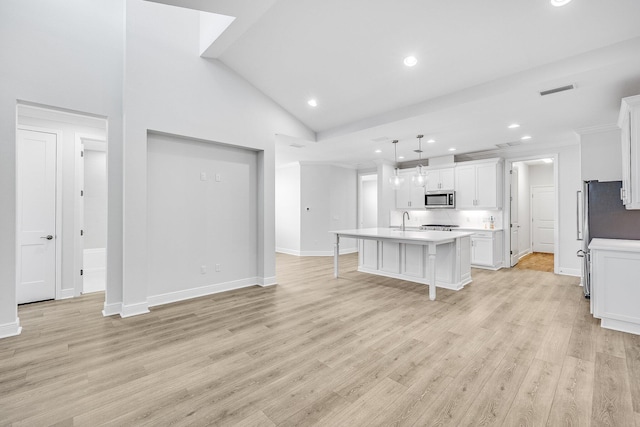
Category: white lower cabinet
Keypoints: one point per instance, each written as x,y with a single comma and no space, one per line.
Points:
615,288
486,249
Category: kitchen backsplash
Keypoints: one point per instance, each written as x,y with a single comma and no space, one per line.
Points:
464,219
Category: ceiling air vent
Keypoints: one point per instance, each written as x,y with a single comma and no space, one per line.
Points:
381,139
296,145
509,144
556,90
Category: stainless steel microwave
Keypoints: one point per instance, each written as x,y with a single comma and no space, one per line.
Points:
440,199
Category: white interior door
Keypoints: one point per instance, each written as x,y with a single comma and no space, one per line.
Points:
36,216
515,225
542,218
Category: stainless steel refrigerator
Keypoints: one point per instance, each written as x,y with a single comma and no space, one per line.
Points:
601,214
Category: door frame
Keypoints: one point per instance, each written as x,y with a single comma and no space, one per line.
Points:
78,206
556,215
58,210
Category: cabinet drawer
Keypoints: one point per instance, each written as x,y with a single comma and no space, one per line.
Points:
483,234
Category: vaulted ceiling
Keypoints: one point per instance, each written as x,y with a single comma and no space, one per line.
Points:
481,66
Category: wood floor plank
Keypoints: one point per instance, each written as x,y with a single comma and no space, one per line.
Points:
632,354
532,403
573,397
612,404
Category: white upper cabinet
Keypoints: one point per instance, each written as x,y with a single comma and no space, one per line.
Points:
408,196
478,184
629,122
440,179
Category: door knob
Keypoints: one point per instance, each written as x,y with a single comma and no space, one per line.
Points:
48,237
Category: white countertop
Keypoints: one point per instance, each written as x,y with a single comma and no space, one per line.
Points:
395,234
615,245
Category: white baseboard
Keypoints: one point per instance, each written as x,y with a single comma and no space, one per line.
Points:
134,309
10,329
266,281
288,251
112,309
570,272
620,325
343,251
201,291
66,293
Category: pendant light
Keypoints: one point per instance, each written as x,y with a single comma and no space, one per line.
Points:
419,177
396,180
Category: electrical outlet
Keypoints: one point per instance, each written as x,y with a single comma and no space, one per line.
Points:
203,176
203,269
217,267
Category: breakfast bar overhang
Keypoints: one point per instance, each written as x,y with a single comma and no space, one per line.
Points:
435,258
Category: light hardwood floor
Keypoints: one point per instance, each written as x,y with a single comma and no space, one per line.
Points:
515,347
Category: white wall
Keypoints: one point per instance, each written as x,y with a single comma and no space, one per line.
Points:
288,209
369,196
95,199
170,89
386,195
69,55
601,156
541,175
328,201
197,220
311,200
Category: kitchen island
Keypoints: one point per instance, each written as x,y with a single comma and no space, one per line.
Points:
412,255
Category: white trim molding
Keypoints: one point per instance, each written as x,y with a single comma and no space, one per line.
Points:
10,329
201,291
66,293
134,309
112,309
266,281
570,272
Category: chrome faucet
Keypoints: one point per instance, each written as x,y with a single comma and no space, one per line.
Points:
408,217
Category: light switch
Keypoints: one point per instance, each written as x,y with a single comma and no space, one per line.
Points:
203,176
218,177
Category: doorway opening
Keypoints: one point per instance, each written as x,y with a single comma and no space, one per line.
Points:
368,200
533,213
52,200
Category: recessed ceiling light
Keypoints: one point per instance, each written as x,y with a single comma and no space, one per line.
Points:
558,3
312,102
452,149
524,138
431,141
378,151
410,61
547,160
514,125
401,157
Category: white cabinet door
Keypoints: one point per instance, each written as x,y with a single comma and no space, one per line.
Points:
478,185
447,179
433,180
481,251
465,187
486,187
408,196
629,122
